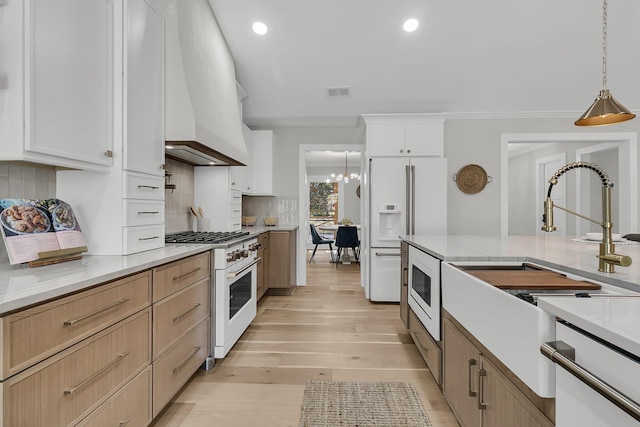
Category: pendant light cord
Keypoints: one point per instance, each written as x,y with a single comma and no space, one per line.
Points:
604,44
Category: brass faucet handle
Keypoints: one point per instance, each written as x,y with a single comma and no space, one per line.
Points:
621,260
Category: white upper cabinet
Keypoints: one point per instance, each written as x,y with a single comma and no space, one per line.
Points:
395,135
57,82
262,162
247,171
144,94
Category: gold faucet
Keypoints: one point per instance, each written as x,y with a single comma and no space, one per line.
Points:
607,256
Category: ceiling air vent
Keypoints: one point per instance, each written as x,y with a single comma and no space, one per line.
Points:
339,92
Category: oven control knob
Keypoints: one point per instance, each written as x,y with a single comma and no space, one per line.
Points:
230,257
245,253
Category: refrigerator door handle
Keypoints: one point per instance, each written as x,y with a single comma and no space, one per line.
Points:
407,187
413,199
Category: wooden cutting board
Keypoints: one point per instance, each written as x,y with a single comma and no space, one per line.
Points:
523,279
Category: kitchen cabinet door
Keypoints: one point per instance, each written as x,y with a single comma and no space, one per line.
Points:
247,171
385,139
503,404
262,162
144,95
57,57
282,260
460,383
424,139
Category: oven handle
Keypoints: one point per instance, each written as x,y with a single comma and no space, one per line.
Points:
242,270
562,354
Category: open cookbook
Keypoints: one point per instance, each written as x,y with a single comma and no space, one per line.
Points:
34,229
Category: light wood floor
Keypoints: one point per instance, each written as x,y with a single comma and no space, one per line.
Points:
327,331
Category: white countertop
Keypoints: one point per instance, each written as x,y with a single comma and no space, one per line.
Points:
21,286
549,250
616,320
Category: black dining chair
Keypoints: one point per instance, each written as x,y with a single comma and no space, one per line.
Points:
318,240
347,237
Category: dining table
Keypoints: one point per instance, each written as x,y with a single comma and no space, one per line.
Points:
333,228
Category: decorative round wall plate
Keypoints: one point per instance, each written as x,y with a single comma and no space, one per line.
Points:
471,179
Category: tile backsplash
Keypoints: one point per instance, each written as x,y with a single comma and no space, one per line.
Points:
177,216
27,181
285,208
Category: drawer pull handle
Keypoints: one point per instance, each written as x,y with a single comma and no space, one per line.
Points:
124,422
563,355
94,376
148,238
179,367
182,276
481,404
180,317
148,213
472,362
110,306
148,186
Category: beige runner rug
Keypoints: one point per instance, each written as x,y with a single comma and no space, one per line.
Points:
388,404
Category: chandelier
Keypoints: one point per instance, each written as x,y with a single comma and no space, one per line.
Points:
346,176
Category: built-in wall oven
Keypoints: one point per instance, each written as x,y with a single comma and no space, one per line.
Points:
424,290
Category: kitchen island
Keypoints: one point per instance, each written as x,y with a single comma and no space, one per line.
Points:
502,335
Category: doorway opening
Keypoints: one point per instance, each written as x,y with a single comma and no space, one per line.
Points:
316,164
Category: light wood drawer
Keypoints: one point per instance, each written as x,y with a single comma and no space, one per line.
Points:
173,316
139,186
142,238
66,387
129,407
31,335
170,278
428,348
176,366
143,212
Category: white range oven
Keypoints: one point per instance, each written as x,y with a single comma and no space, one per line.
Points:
235,293
233,285
424,290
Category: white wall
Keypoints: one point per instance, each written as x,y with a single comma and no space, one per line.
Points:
478,141
466,141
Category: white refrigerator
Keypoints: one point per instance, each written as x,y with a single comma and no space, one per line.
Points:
406,196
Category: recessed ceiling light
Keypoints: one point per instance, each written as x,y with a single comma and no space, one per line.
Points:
260,28
410,25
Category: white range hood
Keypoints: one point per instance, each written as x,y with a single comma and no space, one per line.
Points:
203,124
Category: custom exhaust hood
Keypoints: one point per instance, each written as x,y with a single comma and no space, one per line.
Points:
203,124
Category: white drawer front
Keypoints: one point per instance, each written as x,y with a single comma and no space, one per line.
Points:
143,238
137,186
235,196
235,210
143,212
235,223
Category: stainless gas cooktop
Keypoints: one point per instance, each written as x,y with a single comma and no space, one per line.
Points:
209,237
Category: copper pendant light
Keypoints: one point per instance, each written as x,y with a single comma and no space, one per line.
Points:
605,110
